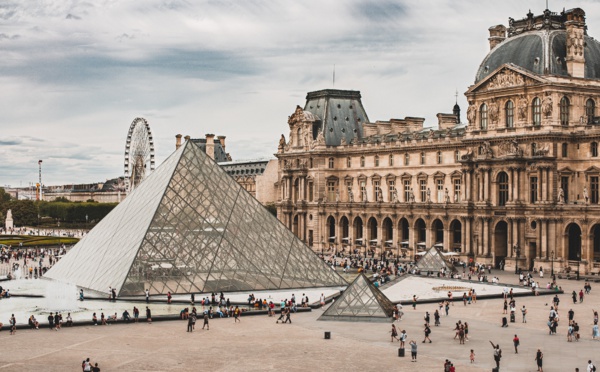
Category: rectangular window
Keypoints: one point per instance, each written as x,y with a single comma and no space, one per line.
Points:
440,190
407,190
391,160
331,191
457,190
363,191
391,190
310,238
565,150
564,184
310,191
377,190
533,189
423,189
594,189
349,189
349,162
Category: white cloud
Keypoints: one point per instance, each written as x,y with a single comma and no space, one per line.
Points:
75,74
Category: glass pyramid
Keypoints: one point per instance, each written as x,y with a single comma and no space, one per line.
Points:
361,301
190,227
433,260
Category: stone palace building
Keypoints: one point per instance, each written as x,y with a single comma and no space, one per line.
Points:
518,184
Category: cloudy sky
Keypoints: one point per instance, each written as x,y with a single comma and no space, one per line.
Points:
74,74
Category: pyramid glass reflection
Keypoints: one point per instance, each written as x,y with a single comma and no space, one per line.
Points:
434,260
189,227
361,301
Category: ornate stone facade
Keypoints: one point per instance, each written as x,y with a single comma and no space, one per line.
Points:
518,184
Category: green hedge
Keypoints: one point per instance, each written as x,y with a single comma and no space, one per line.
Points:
32,241
76,212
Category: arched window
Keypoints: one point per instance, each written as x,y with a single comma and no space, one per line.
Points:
376,160
502,189
594,149
564,111
510,114
536,112
483,117
590,110
330,163
362,161
406,159
439,157
348,162
565,150
391,161
456,156
422,158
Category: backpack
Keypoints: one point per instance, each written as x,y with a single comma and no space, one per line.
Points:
593,368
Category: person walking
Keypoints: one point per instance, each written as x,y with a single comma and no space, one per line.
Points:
236,315
13,324
580,295
205,321
414,302
539,356
595,316
595,333
427,318
427,332
436,317
148,315
591,367
413,350
147,295
394,333
472,356
190,325
51,321
516,342
524,313
497,354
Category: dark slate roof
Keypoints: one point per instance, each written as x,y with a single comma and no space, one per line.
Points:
339,113
220,154
529,51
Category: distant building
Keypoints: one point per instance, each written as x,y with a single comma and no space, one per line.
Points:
258,177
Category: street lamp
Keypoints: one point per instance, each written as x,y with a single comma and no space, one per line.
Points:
86,221
552,267
516,252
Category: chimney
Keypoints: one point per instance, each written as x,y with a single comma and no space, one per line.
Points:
222,141
177,141
210,145
575,25
497,35
186,138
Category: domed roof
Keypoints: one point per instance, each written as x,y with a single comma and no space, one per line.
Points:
542,52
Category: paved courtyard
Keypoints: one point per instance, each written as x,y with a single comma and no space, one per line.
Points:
258,344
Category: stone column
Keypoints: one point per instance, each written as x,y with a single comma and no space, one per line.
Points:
467,186
447,241
509,243
463,236
486,185
412,244
544,236
486,237
518,186
511,189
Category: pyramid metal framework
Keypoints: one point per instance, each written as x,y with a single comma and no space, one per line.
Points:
434,260
190,227
360,302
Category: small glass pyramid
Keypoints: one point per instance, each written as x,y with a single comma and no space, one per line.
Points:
433,260
361,301
190,227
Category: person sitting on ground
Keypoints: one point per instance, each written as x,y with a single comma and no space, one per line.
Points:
113,318
126,316
33,323
69,320
184,313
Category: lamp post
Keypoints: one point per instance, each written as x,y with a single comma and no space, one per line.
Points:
86,221
516,252
552,267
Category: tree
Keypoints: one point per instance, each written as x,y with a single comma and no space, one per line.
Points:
271,207
62,199
24,212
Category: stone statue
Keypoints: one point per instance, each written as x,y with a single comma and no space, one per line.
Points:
561,195
428,195
446,196
585,194
337,196
282,142
320,138
350,196
494,111
471,113
522,110
380,196
412,196
364,195
343,141
395,196
9,220
547,105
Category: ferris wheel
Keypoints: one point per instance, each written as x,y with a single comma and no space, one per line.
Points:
139,153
